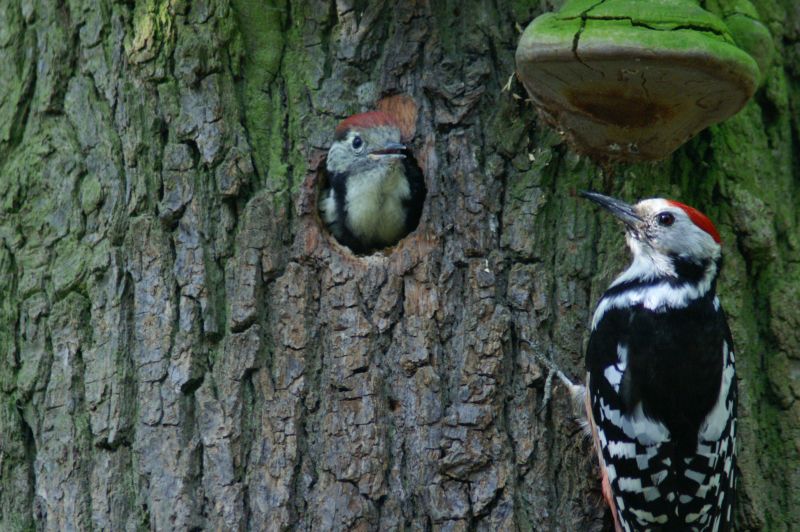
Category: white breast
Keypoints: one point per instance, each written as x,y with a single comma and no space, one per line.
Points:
375,204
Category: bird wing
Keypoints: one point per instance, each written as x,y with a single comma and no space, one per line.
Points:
635,469
608,495
650,480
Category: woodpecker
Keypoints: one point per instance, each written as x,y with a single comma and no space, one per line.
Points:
375,186
661,385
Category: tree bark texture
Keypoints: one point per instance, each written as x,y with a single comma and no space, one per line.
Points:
183,347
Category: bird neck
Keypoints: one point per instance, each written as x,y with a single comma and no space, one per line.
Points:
658,286
653,267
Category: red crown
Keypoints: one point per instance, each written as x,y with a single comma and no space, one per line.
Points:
699,219
364,120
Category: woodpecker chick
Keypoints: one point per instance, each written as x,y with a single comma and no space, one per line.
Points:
661,383
376,188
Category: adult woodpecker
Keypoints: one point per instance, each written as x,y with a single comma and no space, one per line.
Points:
376,188
661,383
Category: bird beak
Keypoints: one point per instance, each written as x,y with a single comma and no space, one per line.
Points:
618,208
390,150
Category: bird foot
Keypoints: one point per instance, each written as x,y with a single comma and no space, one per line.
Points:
576,391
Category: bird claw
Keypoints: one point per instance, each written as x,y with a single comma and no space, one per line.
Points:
548,391
576,391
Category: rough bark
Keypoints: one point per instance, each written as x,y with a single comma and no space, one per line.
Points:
183,346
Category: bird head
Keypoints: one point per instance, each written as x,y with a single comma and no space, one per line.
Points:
363,142
667,234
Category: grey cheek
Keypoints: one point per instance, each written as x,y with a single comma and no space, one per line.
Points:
335,161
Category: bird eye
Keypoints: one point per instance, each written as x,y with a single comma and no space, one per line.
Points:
665,218
357,142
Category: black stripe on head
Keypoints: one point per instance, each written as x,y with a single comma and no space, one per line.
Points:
689,270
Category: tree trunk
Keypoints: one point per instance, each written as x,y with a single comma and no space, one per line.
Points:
183,347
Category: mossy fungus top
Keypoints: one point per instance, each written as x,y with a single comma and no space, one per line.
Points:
629,80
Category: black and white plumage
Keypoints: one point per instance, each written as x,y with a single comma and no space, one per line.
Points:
661,381
375,186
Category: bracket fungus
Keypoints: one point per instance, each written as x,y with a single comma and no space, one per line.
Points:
628,80
750,34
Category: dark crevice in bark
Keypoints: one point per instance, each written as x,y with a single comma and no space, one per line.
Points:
770,114
13,288
298,503
74,50
20,118
451,368
248,434
174,301
286,156
145,521
30,451
83,431
308,411
128,378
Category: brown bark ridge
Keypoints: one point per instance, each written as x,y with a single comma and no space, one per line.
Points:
184,348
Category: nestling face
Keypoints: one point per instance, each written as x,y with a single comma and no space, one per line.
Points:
361,149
